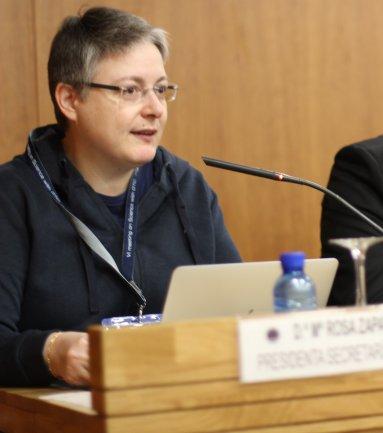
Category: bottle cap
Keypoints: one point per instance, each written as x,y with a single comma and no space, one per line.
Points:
292,261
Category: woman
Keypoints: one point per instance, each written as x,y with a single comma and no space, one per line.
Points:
96,214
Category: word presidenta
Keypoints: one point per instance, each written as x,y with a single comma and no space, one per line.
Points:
333,355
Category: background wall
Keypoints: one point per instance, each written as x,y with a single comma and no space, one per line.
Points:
279,84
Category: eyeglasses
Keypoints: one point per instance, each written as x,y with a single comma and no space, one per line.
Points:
135,93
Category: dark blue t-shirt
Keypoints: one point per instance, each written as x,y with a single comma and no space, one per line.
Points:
116,204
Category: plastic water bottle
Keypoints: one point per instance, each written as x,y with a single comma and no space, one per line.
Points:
294,290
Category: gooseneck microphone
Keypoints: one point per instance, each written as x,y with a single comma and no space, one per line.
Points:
282,177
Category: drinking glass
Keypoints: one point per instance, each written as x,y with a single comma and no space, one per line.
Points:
358,248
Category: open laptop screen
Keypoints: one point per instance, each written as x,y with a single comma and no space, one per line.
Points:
236,288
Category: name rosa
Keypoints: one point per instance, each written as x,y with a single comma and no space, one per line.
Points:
361,325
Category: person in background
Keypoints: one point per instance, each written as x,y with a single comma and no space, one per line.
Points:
95,215
357,176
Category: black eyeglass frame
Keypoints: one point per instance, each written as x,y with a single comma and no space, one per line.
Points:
122,89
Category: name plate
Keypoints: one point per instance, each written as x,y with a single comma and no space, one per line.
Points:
313,343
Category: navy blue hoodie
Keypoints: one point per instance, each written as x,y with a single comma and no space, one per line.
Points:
50,280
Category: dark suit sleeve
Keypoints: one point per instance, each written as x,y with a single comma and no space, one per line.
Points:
357,176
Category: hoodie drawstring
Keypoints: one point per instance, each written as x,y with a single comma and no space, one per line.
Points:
184,218
90,275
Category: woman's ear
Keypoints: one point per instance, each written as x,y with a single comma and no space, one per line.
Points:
67,98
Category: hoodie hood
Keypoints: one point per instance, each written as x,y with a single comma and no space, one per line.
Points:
169,172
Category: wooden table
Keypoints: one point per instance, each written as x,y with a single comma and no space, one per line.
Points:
27,410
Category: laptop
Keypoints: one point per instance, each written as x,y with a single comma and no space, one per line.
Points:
203,291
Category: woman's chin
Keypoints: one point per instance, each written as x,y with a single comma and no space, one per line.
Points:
144,156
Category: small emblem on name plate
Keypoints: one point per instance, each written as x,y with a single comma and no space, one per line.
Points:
272,334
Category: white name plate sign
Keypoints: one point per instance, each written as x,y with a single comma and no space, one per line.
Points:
313,343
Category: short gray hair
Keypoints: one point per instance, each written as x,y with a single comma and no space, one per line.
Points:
83,40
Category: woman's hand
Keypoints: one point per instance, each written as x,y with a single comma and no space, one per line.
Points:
67,356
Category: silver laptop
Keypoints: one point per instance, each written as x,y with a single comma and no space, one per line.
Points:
236,288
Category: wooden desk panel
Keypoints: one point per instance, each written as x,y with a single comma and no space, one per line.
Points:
22,411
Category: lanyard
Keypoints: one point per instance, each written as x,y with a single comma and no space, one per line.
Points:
139,184
130,226
88,236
